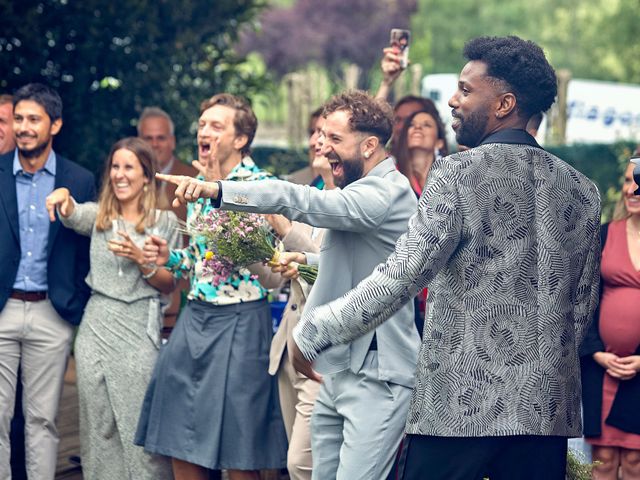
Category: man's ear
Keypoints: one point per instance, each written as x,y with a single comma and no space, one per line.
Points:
56,126
507,104
240,141
369,145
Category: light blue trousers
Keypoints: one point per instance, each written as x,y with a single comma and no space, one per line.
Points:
357,424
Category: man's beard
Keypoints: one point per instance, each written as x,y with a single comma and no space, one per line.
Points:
35,151
352,170
472,129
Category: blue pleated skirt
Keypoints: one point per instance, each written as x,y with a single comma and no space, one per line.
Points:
211,400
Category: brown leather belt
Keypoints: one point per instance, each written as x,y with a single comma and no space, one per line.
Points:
28,296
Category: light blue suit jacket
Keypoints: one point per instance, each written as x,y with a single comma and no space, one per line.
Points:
363,220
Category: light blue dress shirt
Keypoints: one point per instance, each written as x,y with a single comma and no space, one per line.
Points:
31,191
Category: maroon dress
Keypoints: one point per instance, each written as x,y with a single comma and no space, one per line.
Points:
619,324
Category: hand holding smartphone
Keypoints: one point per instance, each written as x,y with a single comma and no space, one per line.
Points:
399,39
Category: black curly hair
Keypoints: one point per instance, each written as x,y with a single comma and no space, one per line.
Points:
522,65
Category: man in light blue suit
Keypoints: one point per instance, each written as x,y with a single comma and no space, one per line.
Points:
360,412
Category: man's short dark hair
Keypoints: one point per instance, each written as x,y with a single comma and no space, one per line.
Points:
521,64
44,96
244,120
367,114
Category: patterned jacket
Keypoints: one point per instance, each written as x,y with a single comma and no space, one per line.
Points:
507,238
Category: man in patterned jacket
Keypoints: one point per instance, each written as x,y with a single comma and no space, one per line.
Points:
507,238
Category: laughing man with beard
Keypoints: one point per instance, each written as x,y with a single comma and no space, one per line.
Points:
361,409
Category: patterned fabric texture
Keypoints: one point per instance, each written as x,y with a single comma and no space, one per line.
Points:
241,285
507,239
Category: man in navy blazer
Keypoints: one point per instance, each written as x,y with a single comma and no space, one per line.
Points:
42,288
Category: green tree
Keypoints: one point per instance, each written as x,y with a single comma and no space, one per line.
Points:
594,39
109,59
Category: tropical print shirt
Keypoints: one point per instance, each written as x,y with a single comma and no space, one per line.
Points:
241,285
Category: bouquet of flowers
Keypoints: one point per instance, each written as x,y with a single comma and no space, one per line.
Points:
238,239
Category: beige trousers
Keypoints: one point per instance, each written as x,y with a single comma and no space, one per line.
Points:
297,396
32,333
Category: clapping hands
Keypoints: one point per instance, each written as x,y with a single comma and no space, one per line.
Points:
209,166
126,248
155,250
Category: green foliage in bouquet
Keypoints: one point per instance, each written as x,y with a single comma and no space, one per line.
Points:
308,273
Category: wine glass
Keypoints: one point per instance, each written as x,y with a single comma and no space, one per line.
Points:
158,229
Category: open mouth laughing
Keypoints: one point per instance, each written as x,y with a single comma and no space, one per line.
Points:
204,149
337,168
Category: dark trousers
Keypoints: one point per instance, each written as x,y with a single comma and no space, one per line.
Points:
522,457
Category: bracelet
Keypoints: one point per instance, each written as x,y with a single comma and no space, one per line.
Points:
153,271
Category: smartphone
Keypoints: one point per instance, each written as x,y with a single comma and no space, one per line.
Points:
400,38
635,159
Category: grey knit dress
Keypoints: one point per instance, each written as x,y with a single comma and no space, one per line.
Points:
115,350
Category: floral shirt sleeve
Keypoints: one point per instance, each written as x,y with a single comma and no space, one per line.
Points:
241,285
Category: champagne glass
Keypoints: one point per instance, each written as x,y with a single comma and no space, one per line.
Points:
158,229
118,226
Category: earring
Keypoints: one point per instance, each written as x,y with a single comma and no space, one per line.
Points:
145,188
367,154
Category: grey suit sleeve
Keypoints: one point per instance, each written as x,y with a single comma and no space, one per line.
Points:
433,235
360,207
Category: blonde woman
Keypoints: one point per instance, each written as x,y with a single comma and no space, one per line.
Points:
118,339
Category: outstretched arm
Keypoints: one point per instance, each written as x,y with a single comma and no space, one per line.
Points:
362,206
433,235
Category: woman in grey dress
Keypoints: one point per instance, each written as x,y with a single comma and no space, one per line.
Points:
118,339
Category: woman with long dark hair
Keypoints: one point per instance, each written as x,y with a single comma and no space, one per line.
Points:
422,140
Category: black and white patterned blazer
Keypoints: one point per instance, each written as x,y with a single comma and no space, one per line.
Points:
507,238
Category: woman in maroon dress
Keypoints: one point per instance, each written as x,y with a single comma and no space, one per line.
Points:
611,353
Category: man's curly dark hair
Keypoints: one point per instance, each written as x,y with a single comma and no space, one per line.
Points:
367,114
522,65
